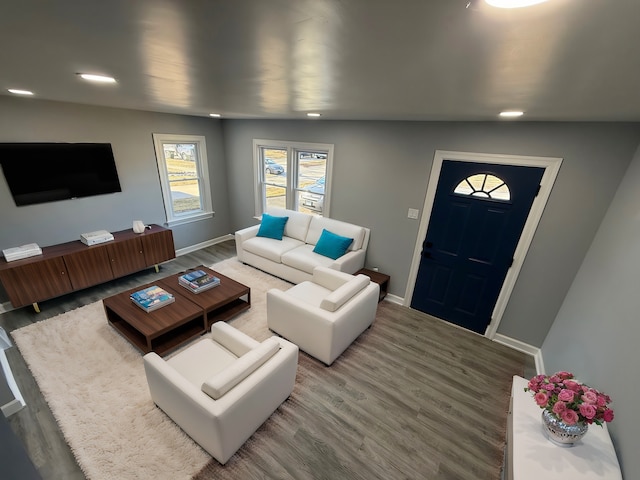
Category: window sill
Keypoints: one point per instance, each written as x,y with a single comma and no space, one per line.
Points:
190,219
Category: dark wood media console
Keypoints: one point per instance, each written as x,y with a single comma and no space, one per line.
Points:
73,265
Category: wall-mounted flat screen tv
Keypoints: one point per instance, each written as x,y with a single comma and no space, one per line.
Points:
48,172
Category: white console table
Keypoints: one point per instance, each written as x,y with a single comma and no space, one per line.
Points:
530,455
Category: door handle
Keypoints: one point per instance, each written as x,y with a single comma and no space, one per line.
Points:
426,254
428,244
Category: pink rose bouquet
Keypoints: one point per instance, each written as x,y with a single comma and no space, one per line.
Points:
570,401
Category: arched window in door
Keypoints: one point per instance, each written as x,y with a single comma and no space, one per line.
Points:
484,185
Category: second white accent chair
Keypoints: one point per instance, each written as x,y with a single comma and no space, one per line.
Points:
324,315
221,389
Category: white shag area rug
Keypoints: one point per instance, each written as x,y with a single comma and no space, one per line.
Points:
94,382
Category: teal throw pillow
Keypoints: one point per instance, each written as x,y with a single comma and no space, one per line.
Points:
332,245
272,227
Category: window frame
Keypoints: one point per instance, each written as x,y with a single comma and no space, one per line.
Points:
487,193
292,189
204,182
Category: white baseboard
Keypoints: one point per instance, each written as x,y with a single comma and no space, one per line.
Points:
208,243
394,299
535,352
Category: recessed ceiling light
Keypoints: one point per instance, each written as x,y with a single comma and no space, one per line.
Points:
20,92
513,3
97,78
511,113
215,115
315,115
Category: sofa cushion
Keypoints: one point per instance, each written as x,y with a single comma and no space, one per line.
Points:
332,245
344,293
269,248
303,258
318,224
309,292
272,227
298,223
201,360
220,383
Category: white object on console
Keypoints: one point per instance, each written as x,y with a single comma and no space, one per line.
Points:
17,253
139,226
93,238
530,455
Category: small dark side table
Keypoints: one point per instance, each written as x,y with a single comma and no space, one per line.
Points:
381,279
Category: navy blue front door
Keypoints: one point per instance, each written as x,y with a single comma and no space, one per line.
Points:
471,240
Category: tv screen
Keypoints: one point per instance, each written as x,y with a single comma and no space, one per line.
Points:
48,172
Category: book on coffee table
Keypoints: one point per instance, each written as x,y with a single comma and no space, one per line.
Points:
198,281
152,298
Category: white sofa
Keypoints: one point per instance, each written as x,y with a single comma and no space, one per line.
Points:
325,315
292,258
221,389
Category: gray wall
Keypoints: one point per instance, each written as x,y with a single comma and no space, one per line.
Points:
382,168
596,332
130,133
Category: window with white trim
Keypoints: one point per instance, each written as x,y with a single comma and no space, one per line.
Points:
292,175
484,185
184,177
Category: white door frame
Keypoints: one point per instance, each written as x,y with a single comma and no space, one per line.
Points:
551,167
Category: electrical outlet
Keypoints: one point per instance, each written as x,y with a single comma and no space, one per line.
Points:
413,213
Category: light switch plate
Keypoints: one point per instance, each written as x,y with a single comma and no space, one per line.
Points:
413,213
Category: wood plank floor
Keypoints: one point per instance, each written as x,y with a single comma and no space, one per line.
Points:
411,398
380,398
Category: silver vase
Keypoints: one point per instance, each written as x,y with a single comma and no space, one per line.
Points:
560,433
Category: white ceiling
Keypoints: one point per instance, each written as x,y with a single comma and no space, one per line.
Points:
347,59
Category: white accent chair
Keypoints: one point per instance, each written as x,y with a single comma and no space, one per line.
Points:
324,315
221,389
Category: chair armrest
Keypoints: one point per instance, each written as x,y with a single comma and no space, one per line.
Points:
223,381
329,278
232,339
247,233
346,292
186,404
350,262
242,236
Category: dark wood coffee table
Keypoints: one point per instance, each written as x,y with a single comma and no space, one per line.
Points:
218,303
190,316
159,331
